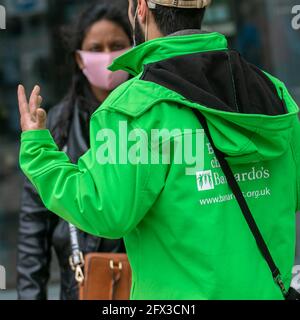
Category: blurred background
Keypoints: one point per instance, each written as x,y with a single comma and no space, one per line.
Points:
31,52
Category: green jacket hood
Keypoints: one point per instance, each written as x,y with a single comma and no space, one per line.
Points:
250,113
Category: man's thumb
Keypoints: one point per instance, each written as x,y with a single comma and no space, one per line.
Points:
41,117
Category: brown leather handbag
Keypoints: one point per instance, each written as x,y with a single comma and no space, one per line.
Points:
106,276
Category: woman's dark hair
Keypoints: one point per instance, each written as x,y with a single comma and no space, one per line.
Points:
73,37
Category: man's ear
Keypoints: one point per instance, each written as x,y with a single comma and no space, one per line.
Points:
142,11
79,61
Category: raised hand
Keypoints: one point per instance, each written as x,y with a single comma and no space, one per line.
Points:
32,116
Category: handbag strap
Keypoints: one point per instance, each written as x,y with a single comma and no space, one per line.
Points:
244,208
76,259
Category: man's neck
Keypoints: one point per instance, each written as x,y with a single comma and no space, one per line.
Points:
187,32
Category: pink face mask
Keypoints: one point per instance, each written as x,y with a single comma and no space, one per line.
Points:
95,69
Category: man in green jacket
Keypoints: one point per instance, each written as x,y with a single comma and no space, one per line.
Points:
152,176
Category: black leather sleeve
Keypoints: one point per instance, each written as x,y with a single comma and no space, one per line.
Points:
36,226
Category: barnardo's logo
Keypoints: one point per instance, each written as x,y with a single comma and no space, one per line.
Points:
2,18
209,180
205,180
2,278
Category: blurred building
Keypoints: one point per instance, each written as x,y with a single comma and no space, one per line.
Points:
31,52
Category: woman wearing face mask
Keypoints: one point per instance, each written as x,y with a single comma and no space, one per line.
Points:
101,34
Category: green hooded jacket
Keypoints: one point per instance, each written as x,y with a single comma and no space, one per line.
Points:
184,233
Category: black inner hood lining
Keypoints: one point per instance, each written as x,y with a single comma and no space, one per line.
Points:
221,80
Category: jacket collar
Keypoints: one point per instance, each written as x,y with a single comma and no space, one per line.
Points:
168,47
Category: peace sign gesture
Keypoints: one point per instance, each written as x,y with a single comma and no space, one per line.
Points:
32,116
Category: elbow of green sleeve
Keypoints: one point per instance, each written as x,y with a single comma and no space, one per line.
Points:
113,225
116,231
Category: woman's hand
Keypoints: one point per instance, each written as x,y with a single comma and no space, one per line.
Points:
32,116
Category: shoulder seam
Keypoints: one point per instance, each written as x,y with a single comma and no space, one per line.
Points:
107,105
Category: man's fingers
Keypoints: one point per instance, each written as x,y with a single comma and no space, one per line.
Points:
33,101
23,104
32,116
41,117
40,101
